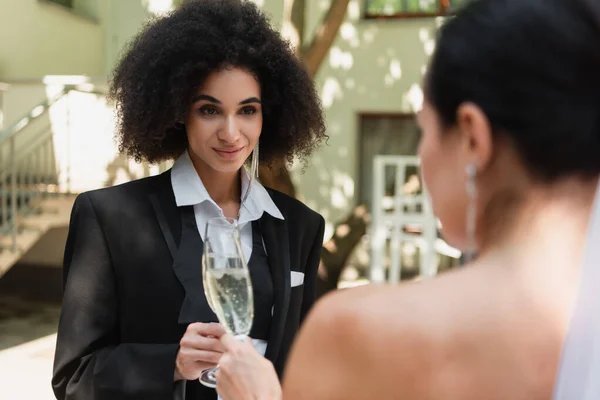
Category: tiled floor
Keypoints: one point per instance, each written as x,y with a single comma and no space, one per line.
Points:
27,340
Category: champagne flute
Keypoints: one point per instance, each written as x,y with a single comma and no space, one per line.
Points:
227,284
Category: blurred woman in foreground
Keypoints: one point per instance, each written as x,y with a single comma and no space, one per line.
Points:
511,157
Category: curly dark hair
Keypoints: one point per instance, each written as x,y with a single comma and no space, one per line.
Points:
155,80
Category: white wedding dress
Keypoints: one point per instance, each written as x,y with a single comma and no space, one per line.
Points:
579,371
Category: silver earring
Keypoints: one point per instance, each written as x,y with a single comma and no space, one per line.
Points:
254,165
253,172
471,189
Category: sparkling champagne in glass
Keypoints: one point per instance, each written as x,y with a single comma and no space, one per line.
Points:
227,284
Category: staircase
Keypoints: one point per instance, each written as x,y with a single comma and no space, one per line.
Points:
30,200
45,214
62,146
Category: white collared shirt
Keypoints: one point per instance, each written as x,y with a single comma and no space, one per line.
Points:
190,191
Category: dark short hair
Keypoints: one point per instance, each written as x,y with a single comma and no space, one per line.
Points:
533,66
155,80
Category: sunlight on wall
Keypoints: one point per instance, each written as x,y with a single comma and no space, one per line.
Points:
340,59
290,33
330,92
338,200
425,36
394,73
348,32
339,190
369,34
344,183
83,139
158,7
354,10
395,69
336,187
288,30
415,98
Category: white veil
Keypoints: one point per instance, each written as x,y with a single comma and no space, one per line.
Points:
579,371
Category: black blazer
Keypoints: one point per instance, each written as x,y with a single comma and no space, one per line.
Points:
133,282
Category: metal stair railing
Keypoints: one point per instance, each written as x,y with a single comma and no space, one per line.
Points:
28,173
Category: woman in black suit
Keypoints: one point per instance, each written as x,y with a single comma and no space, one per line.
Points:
204,85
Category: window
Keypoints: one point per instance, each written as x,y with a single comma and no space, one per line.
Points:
386,134
410,8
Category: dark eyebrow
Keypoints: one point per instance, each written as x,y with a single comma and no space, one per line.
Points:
205,97
250,100
213,100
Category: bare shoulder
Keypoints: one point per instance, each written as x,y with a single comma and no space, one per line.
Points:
377,341
322,353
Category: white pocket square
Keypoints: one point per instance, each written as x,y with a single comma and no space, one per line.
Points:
297,278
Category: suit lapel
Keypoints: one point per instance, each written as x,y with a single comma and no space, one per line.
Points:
178,225
275,236
188,268
167,213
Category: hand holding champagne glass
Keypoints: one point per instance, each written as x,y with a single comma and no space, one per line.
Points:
227,284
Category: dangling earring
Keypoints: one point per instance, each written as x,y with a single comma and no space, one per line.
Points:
471,189
253,172
254,165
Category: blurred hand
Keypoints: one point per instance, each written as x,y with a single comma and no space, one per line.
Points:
199,349
244,374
